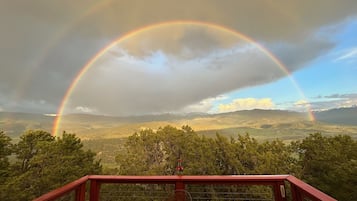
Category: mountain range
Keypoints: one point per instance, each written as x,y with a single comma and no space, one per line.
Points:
262,124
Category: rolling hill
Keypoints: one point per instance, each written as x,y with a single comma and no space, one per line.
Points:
262,124
344,116
105,134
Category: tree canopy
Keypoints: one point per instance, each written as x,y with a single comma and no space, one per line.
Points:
327,163
149,152
40,162
5,151
44,163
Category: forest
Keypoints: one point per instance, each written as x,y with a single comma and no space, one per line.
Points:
39,162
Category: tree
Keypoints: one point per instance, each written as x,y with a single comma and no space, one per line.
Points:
275,157
5,151
29,146
45,163
330,164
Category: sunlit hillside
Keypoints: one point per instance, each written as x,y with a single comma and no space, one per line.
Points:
262,124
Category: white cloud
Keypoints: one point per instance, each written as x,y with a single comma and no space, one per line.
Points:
204,106
348,103
335,101
247,104
349,54
84,109
301,103
50,115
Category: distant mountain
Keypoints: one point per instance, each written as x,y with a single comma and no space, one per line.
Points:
264,124
15,123
345,116
131,119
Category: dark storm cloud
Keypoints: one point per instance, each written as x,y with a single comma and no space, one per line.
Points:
295,56
43,44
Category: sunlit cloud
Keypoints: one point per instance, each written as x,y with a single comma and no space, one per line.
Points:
84,109
50,115
204,106
247,104
301,103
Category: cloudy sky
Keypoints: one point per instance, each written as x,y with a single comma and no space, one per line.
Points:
194,56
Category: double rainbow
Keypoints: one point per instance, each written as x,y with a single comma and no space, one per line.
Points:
141,30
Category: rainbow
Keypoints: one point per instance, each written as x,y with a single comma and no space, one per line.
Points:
135,32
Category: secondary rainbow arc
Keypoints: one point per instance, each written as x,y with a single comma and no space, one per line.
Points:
130,34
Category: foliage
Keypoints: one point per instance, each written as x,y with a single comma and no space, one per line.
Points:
5,151
44,163
29,145
149,152
330,164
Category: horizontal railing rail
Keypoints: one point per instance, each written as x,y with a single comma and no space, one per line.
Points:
78,186
299,190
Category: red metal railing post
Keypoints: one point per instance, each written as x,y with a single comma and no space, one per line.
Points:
94,190
81,192
279,191
180,194
295,193
304,190
65,190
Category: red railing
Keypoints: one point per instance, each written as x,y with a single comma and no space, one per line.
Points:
298,190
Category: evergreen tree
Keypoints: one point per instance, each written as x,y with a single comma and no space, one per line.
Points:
5,151
45,163
330,164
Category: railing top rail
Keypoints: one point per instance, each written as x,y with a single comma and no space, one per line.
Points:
190,179
303,188
310,190
62,190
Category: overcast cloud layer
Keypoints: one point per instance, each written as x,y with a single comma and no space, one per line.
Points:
181,73
44,44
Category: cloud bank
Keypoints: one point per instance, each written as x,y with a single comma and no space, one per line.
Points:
44,44
189,67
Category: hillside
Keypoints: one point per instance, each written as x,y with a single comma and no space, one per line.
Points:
344,116
15,123
105,134
89,126
262,124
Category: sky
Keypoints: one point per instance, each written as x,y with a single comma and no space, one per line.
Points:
207,56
